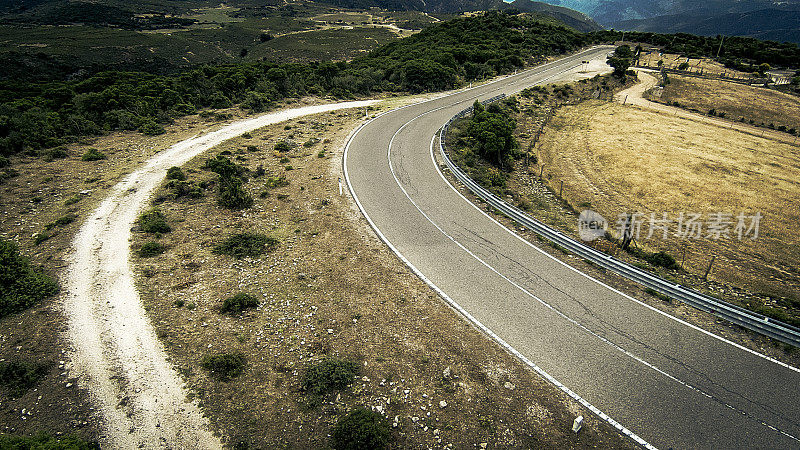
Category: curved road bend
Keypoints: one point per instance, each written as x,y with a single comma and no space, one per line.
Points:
667,381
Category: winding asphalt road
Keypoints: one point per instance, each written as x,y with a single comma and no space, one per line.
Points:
670,383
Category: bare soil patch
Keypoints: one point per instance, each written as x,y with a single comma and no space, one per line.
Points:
330,289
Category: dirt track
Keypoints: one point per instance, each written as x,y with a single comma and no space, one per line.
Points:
115,353
634,95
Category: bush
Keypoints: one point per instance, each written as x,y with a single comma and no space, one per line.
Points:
151,248
151,128
41,237
182,189
57,153
45,442
93,154
238,303
282,147
153,221
224,366
329,375
361,429
20,285
61,221
72,200
663,259
175,173
276,182
245,244
4,162
232,195
19,376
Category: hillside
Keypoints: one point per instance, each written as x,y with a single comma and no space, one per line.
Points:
769,24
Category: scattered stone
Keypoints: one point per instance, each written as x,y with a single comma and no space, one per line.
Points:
509,385
442,404
446,372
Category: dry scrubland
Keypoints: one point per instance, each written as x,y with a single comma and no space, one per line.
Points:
329,289
621,160
762,106
58,194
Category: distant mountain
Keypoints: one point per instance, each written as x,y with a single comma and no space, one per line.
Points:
763,19
766,24
570,17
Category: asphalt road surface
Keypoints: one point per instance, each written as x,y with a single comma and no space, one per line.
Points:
668,382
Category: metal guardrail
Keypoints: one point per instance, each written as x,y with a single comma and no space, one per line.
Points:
748,319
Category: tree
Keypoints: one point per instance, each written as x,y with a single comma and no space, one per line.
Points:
620,60
491,134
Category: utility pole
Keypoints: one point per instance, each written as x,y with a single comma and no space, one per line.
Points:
720,46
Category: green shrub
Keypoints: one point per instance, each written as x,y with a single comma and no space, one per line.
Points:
663,259
45,442
175,173
224,366
57,153
72,200
245,244
93,154
329,375
21,286
321,154
310,143
153,221
224,167
151,248
41,237
238,303
4,162
282,147
151,128
61,221
276,182
361,429
181,189
20,376
232,194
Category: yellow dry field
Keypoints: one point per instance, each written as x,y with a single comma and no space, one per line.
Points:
736,100
621,159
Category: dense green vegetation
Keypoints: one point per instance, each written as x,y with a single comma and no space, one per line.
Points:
38,115
490,133
21,286
45,442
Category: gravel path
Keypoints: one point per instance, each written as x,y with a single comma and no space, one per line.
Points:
114,352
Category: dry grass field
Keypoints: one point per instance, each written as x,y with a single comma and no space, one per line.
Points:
619,159
737,101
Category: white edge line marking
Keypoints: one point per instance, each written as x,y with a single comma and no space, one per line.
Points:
603,339
467,315
695,327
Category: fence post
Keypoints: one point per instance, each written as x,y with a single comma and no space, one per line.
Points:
710,263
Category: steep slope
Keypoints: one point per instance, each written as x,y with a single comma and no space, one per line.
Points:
767,24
